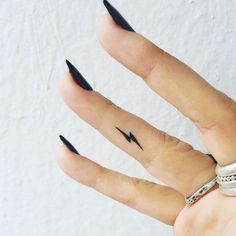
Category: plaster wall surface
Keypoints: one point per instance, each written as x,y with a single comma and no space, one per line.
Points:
36,197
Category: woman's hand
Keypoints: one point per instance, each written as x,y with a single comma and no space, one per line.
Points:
174,162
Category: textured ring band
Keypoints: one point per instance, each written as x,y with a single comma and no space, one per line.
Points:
228,191
226,170
201,191
227,178
226,184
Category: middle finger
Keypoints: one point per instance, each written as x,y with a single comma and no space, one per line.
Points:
167,158
166,75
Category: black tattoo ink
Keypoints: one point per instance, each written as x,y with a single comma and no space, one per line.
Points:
130,137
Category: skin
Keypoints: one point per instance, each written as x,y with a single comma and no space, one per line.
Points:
175,163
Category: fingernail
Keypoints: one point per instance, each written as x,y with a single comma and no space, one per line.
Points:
117,17
78,78
68,145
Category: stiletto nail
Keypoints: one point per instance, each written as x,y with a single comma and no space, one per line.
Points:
78,78
117,17
68,145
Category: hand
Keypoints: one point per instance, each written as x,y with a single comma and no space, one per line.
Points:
174,162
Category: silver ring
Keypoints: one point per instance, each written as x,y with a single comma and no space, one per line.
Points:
228,181
228,191
228,184
201,191
226,170
226,178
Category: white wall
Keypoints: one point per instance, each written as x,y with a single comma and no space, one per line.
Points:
36,37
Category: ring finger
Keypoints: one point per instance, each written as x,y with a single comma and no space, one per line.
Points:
160,202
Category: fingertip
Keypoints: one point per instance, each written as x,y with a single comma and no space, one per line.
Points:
63,155
105,23
104,26
128,48
70,91
67,160
65,88
77,167
108,30
64,82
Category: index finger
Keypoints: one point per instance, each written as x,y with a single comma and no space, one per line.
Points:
166,75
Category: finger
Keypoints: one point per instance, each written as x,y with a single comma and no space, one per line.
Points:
160,202
166,75
165,157
206,106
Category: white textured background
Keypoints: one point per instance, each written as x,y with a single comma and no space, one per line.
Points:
36,37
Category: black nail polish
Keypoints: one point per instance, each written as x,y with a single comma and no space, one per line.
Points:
78,78
68,145
117,17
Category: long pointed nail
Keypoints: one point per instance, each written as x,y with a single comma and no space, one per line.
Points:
117,17
78,78
68,145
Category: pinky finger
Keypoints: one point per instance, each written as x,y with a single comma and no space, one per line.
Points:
158,201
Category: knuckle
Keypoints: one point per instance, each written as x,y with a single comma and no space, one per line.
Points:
149,163
136,182
99,177
167,145
144,184
174,144
131,199
155,68
149,76
225,113
110,107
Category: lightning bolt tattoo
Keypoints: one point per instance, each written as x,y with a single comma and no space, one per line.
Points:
130,137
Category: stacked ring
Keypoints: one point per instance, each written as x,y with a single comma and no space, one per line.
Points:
200,192
226,178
